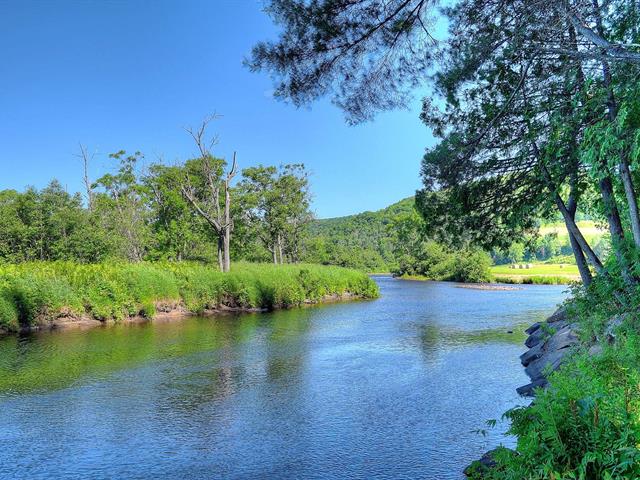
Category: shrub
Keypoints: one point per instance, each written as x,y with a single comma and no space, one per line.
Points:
472,266
586,424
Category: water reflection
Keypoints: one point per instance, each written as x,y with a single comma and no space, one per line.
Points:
434,337
386,389
49,360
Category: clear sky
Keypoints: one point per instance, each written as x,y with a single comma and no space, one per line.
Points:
131,74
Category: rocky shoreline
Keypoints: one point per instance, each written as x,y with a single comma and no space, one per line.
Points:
549,343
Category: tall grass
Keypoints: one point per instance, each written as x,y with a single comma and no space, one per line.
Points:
33,293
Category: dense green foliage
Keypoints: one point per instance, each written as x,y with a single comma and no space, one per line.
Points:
392,240
135,218
166,213
49,224
40,291
366,241
275,204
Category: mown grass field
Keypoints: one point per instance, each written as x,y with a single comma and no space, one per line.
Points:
591,232
537,269
544,273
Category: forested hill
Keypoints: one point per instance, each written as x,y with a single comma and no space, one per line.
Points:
364,240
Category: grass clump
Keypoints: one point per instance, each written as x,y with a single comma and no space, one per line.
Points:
31,293
9,314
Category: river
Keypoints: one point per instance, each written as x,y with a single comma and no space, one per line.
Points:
392,388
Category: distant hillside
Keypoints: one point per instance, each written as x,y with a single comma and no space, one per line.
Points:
388,240
362,240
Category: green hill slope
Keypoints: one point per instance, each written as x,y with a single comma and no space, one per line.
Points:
363,240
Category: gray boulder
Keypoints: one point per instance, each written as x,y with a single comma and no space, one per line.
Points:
562,338
550,361
528,390
536,337
533,328
595,349
532,354
611,330
558,315
549,343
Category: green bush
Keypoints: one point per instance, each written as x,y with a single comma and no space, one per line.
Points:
472,267
434,262
586,426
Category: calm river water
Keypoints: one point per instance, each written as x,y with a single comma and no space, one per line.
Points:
390,389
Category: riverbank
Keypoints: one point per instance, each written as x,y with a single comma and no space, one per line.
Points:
536,280
549,344
584,366
42,295
508,279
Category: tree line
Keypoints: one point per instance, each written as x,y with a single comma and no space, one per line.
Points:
392,240
188,211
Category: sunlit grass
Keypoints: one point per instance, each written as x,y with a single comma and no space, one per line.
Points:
34,292
537,269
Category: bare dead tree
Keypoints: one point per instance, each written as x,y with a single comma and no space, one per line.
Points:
228,224
86,159
216,184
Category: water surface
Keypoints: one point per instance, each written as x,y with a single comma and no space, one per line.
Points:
392,388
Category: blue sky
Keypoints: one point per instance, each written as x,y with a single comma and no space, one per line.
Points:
131,74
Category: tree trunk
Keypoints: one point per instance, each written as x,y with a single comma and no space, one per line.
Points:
226,247
575,232
615,229
275,254
220,259
569,218
629,190
280,249
623,166
581,261
227,227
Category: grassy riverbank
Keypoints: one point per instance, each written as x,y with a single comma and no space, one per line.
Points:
38,293
538,274
536,279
